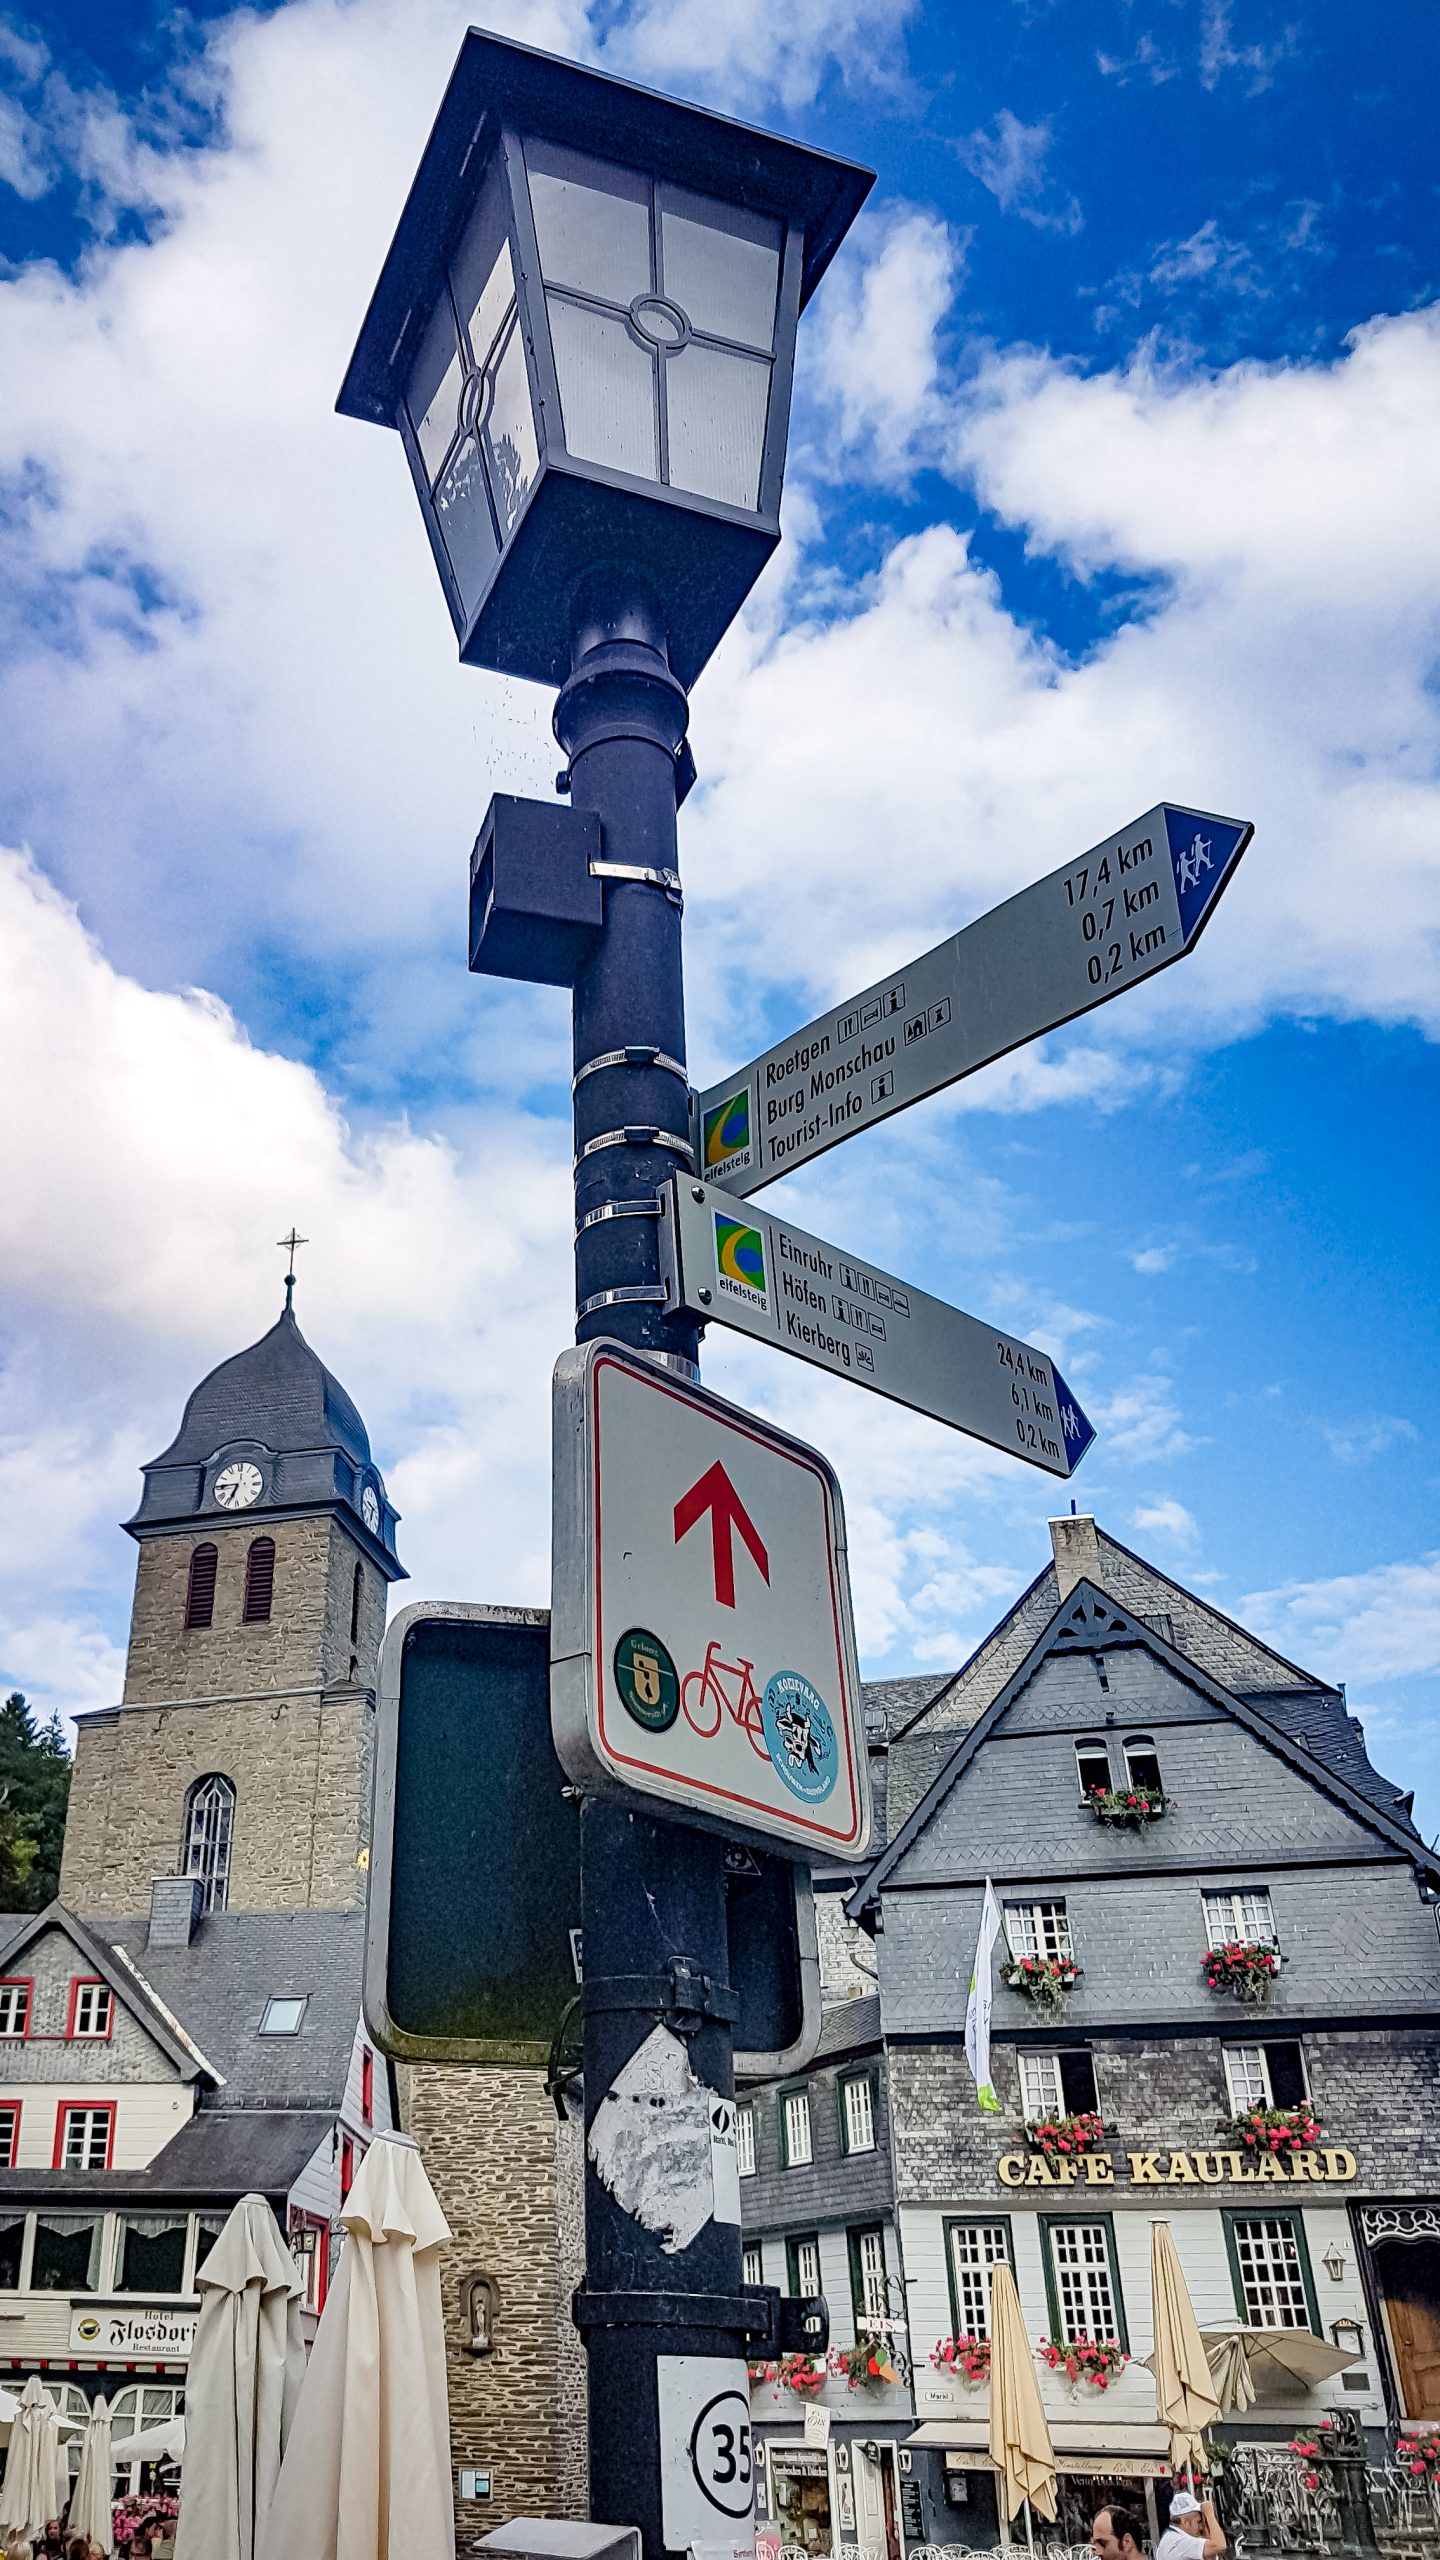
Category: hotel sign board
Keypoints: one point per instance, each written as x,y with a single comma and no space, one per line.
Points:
1328,2168
138,2331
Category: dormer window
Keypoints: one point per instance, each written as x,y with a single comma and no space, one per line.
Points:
92,2010
259,1581
200,1589
1092,1762
1142,1764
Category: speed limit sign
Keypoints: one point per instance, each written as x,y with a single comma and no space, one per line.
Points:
707,2471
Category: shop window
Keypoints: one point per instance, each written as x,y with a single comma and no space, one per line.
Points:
92,2010
208,2227
1265,2075
67,2253
1271,2271
797,2147
85,2136
1092,1762
800,2500
150,2252
974,2248
200,1586
1038,1929
752,2259
12,2250
259,1581
1082,2279
209,1823
1240,1919
1057,2084
857,2112
134,2410
869,2293
9,2132
15,1999
745,2141
1142,1763
802,2265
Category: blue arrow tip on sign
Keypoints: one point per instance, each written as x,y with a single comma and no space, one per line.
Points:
1203,851
1075,1423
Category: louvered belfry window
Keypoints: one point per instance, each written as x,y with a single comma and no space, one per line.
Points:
259,1580
200,1589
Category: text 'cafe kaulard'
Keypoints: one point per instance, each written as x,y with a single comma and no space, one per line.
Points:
1332,2168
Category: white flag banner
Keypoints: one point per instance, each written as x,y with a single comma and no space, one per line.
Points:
977,2014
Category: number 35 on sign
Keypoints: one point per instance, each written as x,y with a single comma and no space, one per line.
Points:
707,2474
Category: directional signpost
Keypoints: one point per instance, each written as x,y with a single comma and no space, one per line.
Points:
702,1651
1069,942
789,1288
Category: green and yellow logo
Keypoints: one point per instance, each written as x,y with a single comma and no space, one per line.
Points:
726,1134
740,1254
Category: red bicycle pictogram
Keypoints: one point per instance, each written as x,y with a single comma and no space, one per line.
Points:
722,1688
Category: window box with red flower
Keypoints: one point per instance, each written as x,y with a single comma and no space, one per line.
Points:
1245,1972
1128,1808
1420,2457
1097,2361
966,2357
866,2366
1043,1979
798,2373
1066,2137
1280,2130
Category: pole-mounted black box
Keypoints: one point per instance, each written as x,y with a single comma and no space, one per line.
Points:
536,911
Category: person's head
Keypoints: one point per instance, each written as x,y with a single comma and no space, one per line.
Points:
1186,2511
1118,2534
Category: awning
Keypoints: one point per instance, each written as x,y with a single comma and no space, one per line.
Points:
1137,2451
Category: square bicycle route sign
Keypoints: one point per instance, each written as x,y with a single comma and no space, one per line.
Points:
702,1646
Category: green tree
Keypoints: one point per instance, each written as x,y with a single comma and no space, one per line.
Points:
34,1792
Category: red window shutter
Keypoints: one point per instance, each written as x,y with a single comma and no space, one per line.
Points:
367,2085
259,1580
347,2166
200,1590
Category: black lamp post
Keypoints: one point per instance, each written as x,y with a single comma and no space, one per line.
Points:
584,333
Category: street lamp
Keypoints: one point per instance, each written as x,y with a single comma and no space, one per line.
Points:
584,333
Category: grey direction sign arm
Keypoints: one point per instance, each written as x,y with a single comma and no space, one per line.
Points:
1067,943
744,1268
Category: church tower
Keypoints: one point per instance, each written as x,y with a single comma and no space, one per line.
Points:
240,1752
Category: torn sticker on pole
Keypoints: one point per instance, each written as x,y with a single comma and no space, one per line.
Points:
652,2143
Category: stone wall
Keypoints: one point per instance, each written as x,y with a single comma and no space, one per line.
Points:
304,1643
507,2176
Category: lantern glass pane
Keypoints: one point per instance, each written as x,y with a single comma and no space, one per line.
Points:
721,265
481,271
592,222
433,397
607,389
512,452
717,404
463,512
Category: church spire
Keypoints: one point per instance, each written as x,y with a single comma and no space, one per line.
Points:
290,1244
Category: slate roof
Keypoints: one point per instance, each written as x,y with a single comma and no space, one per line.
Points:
222,2153
278,1391
849,2026
236,1961
94,1947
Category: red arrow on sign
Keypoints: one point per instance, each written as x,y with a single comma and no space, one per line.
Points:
716,1494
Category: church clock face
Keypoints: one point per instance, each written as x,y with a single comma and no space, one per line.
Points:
238,1485
370,1509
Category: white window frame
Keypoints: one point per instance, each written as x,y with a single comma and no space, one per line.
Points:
1249,2061
129,2408
1038,1929
94,2012
745,2141
974,2248
279,2002
1240,1916
874,2289
857,2099
795,2112
1138,1742
804,2250
1041,2089
1270,2246
1085,2279
15,1996
209,1838
101,2115
187,2253
1092,1746
752,2263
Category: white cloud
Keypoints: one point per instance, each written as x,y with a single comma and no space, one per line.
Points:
1167,1519
1353,1444
874,351
1143,1421
1009,158
747,50
1380,1625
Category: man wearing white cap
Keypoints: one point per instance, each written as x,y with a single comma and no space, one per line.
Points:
1192,2532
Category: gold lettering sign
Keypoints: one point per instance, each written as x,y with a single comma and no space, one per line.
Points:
1180,2169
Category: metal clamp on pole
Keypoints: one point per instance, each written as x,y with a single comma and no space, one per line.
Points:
618,1209
669,881
636,1293
680,1993
640,1134
639,1054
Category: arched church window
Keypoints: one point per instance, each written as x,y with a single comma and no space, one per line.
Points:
209,1821
200,1589
356,1586
259,1581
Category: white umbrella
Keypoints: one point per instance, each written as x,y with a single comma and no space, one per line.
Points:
241,2387
366,2474
164,2442
35,2486
1246,2362
92,2502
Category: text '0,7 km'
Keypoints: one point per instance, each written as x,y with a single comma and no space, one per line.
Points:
1069,942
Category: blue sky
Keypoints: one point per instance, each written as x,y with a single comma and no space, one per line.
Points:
1113,477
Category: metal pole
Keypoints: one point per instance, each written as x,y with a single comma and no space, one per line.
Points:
652,1893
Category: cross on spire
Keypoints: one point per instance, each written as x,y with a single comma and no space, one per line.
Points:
290,1244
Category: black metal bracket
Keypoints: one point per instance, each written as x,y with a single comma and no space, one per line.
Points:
682,1995
754,2311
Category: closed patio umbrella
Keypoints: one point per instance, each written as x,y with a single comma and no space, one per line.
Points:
35,2486
366,2474
1186,2399
241,2388
1246,2364
1020,2446
92,2503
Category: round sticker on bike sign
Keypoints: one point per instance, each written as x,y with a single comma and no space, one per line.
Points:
800,1736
